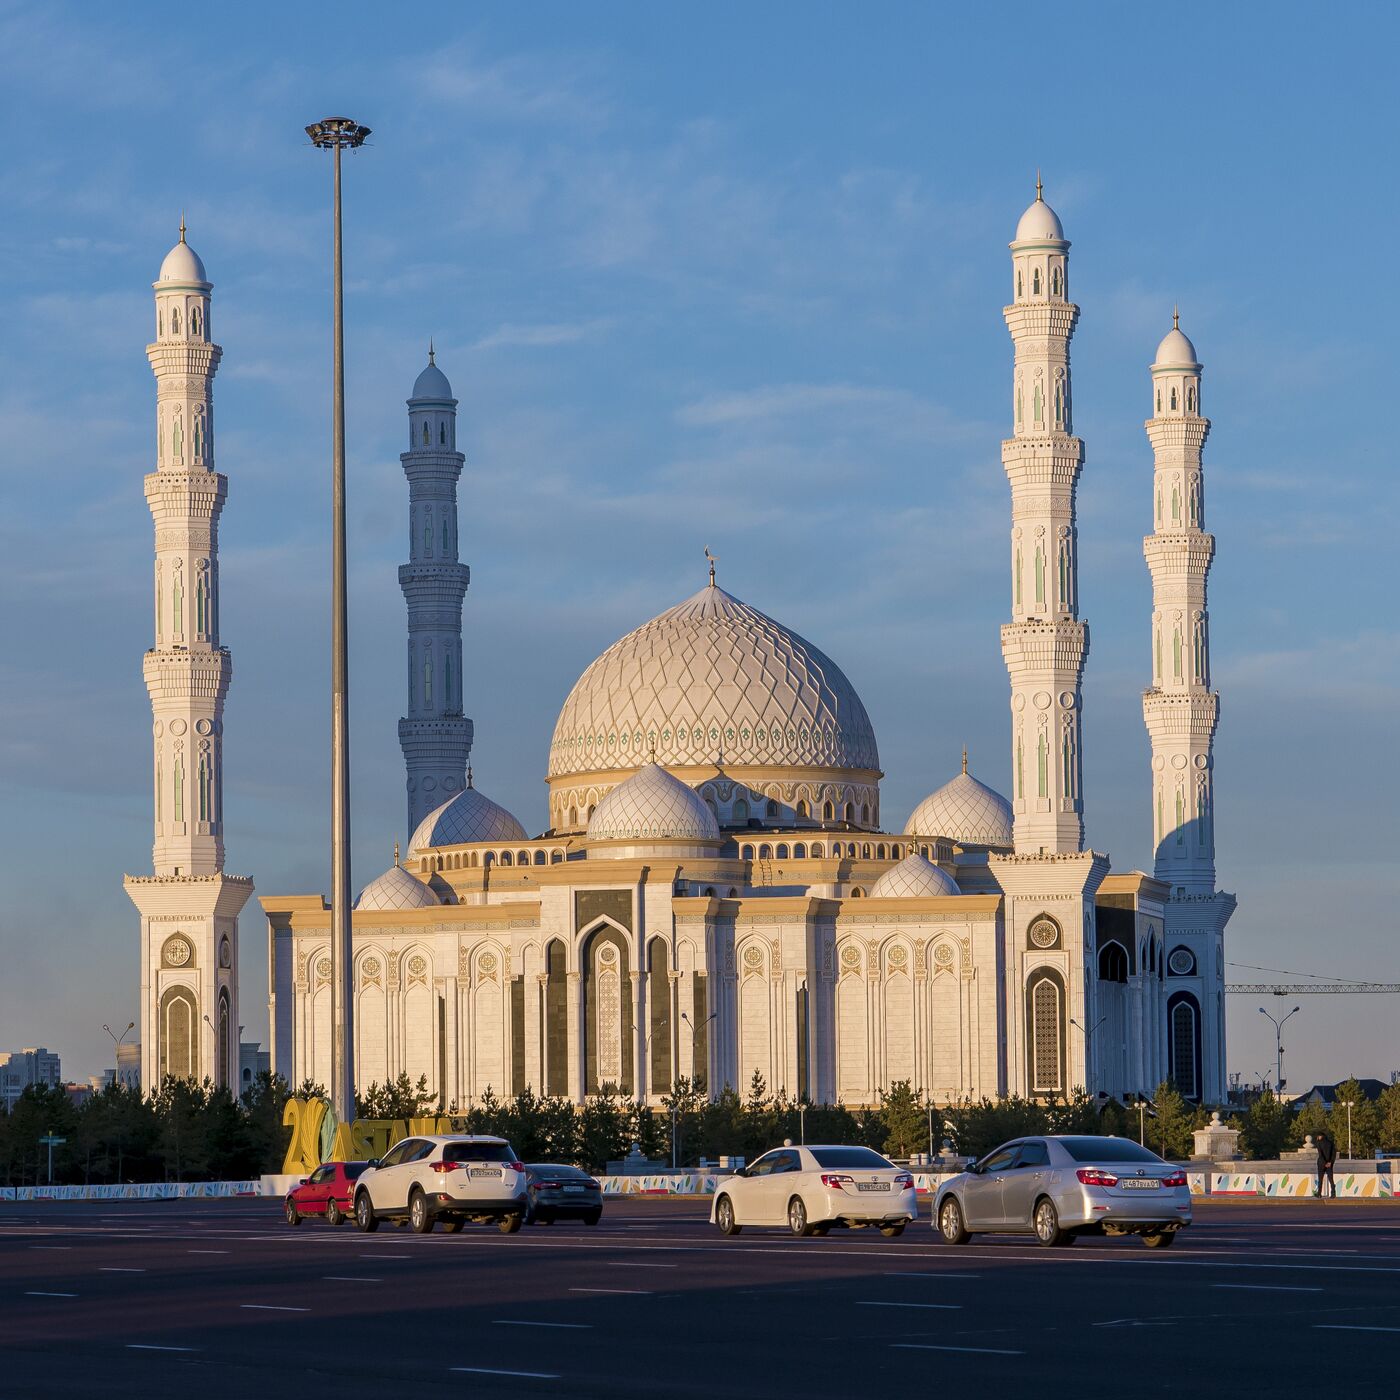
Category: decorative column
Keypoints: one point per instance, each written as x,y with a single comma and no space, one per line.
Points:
1045,644
1181,712
435,736
189,908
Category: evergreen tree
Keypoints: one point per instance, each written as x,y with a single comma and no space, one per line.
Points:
1388,1110
1365,1120
1267,1127
904,1120
1169,1133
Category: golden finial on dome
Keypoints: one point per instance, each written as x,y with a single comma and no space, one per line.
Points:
1176,318
651,748
396,852
469,775
713,558
1039,188
431,352
182,226
964,758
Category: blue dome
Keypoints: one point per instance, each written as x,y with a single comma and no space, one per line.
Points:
431,384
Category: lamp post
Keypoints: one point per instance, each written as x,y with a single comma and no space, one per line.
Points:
1278,1045
336,134
117,1047
694,1030
1348,1104
802,1122
1090,1048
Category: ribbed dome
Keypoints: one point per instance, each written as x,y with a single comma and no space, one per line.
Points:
964,811
652,806
396,889
914,876
467,817
432,385
712,675
182,264
1176,349
1039,223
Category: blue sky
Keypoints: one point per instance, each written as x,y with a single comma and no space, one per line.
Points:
728,275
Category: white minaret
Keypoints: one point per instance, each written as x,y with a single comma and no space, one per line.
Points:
1180,711
1045,644
435,736
189,907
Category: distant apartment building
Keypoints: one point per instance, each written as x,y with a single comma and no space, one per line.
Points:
21,1068
253,1060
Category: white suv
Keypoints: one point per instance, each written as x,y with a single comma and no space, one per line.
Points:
452,1178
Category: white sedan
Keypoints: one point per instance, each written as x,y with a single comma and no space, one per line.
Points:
810,1189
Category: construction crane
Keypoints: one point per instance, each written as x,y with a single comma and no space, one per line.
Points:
1288,989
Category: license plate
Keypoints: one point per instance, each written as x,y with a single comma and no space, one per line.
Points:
484,1171
1140,1183
872,1186
573,1188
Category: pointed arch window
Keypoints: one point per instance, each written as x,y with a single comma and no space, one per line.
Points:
179,788
198,435
201,620
444,534
1046,1039
174,320
204,787
194,320
1055,281
1043,766
442,434
428,681
1035,282
1159,400
177,607
1020,768
1180,819
1039,573
427,439
1190,399
1183,1028
428,536
1176,654
1019,287
1173,396
447,681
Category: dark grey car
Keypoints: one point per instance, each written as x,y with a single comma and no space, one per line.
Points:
562,1193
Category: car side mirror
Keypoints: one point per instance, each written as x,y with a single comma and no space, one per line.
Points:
373,1162
302,1182
741,1171
977,1169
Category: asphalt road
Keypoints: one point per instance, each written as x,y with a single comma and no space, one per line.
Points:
221,1299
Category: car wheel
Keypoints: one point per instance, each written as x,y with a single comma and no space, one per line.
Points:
292,1213
509,1224
724,1217
797,1217
1162,1241
593,1216
892,1232
419,1216
452,1227
334,1214
365,1217
1047,1223
950,1222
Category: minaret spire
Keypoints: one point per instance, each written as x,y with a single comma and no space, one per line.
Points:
1045,644
1181,712
435,736
189,907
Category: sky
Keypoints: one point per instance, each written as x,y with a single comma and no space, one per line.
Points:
727,276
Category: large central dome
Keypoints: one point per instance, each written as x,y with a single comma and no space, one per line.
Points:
713,684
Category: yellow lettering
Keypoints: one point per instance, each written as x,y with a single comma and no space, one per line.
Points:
304,1117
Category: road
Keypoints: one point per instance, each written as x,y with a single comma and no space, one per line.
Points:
223,1299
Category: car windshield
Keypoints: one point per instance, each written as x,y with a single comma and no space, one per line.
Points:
353,1169
861,1158
546,1169
1102,1149
478,1152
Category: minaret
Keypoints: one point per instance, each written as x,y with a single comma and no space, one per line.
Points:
189,907
435,736
1045,644
1180,711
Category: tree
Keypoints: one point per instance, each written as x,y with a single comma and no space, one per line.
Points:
904,1119
1365,1120
1388,1108
604,1129
1169,1133
399,1099
1267,1127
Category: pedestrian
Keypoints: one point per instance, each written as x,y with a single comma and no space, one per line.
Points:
1326,1159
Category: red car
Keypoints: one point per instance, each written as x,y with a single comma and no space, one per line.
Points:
327,1191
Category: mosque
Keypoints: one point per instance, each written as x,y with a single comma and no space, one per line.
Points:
717,893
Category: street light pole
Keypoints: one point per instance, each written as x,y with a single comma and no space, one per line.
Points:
1278,1045
335,134
1348,1104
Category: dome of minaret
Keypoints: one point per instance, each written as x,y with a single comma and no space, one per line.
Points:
1176,349
431,384
965,811
1039,222
182,263
396,889
470,816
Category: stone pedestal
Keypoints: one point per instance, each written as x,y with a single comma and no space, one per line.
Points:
1217,1142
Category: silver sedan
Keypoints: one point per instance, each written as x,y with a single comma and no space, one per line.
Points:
1060,1187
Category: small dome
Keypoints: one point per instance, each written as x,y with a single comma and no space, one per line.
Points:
1176,349
182,263
913,877
431,384
467,817
1039,223
964,811
652,806
396,889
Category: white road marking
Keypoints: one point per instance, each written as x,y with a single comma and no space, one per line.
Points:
907,1273
622,1264
150,1346
348,1278
112,1270
929,1346
1349,1327
36,1294
489,1371
206,1251
637,1291
570,1326
941,1307
269,1307
1266,1288
51,1246
386,1256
